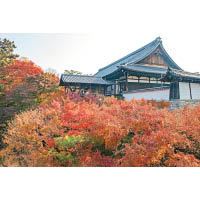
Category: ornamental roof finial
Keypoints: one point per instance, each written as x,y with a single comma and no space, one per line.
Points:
159,39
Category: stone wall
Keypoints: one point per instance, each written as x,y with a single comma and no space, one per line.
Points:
181,103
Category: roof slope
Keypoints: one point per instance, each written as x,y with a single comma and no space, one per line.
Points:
68,78
135,57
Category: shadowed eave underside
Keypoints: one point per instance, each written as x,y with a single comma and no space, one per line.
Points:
181,76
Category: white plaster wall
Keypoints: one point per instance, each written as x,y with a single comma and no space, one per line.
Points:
195,89
184,90
149,95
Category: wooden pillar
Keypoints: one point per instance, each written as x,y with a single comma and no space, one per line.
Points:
98,89
104,90
126,81
174,91
177,91
190,91
171,91
79,85
114,88
119,87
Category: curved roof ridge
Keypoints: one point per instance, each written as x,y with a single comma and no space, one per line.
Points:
170,57
137,55
158,39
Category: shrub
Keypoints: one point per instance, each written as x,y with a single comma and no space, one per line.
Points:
74,131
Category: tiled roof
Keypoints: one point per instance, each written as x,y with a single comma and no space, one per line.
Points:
68,78
179,75
135,57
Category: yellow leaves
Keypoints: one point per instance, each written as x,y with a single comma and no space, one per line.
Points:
158,155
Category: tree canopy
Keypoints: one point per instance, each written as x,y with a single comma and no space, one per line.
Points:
75,72
7,55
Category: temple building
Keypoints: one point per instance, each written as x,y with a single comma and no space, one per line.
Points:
148,73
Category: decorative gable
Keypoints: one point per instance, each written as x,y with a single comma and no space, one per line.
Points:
156,58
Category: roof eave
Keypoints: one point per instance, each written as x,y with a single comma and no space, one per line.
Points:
123,67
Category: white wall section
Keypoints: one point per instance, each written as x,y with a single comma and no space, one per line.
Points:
195,88
184,90
149,95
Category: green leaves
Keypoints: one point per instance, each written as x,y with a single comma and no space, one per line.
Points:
73,72
6,52
68,141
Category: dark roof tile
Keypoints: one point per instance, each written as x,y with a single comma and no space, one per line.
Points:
68,78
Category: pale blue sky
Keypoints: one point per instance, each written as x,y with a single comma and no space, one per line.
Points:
116,29
111,40
89,52
58,51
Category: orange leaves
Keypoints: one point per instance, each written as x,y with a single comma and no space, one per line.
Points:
94,120
51,143
96,159
93,131
24,68
113,120
16,73
28,136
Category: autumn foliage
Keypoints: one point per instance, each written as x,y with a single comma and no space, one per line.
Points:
14,74
42,126
98,131
24,85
